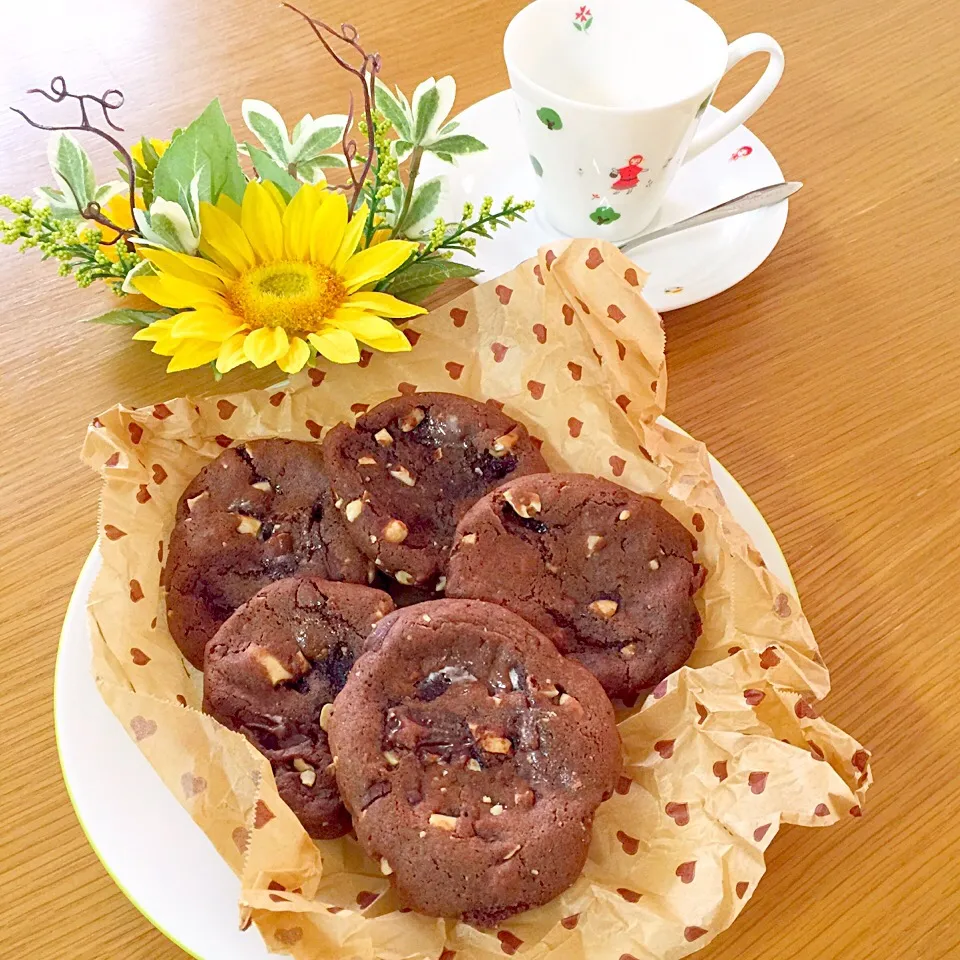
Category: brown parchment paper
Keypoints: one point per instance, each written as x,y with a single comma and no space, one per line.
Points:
717,757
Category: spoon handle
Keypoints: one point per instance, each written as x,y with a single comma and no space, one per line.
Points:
753,200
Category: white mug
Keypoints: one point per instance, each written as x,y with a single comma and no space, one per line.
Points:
610,95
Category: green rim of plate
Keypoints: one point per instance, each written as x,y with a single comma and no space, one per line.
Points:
56,731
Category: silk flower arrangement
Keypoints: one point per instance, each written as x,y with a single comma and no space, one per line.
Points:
249,254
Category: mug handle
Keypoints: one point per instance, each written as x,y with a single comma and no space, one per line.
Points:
751,103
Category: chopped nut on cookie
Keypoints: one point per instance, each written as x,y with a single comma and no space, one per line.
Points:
604,608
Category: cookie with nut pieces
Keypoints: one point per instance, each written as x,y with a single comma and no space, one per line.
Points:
260,512
607,574
411,467
472,757
272,673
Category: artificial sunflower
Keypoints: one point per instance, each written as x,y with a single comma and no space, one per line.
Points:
272,279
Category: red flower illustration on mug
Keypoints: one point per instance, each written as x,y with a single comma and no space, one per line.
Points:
742,152
582,19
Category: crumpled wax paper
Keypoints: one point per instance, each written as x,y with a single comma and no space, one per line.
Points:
717,757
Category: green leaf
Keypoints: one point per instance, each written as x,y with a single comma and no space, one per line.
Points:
63,208
425,199
550,118
189,203
266,123
604,215
206,147
329,161
142,172
73,170
125,317
458,144
312,136
427,108
311,171
272,172
394,203
402,149
393,110
447,129
143,269
168,225
150,156
417,281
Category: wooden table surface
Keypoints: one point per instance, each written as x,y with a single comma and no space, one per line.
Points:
827,382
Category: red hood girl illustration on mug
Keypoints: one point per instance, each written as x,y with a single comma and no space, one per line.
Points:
628,177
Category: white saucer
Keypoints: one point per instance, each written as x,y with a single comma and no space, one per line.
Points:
685,268
146,841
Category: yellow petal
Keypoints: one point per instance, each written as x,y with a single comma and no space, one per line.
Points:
377,333
295,357
206,324
261,223
230,207
275,195
266,345
329,223
167,346
376,263
171,292
231,353
157,330
379,236
351,237
222,240
195,269
336,345
346,314
298,221
193,353
383,304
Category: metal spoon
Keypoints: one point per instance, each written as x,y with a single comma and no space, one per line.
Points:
753,200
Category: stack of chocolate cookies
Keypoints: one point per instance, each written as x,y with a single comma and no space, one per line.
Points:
468,738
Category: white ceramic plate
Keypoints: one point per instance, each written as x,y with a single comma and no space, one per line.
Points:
147,842
685,268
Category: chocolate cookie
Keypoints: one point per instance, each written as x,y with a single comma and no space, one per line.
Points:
408,471
472,757
259,512
608,575
272,672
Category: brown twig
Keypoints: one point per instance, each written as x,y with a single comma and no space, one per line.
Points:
111,100
366,73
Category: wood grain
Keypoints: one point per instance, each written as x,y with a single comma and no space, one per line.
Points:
826,382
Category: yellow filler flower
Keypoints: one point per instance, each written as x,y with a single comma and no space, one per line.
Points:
272,277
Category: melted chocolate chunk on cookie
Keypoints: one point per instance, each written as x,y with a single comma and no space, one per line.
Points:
409,470
272,673
260,512
473,758
608,575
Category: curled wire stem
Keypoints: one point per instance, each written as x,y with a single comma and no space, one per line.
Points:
111,100
366,73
